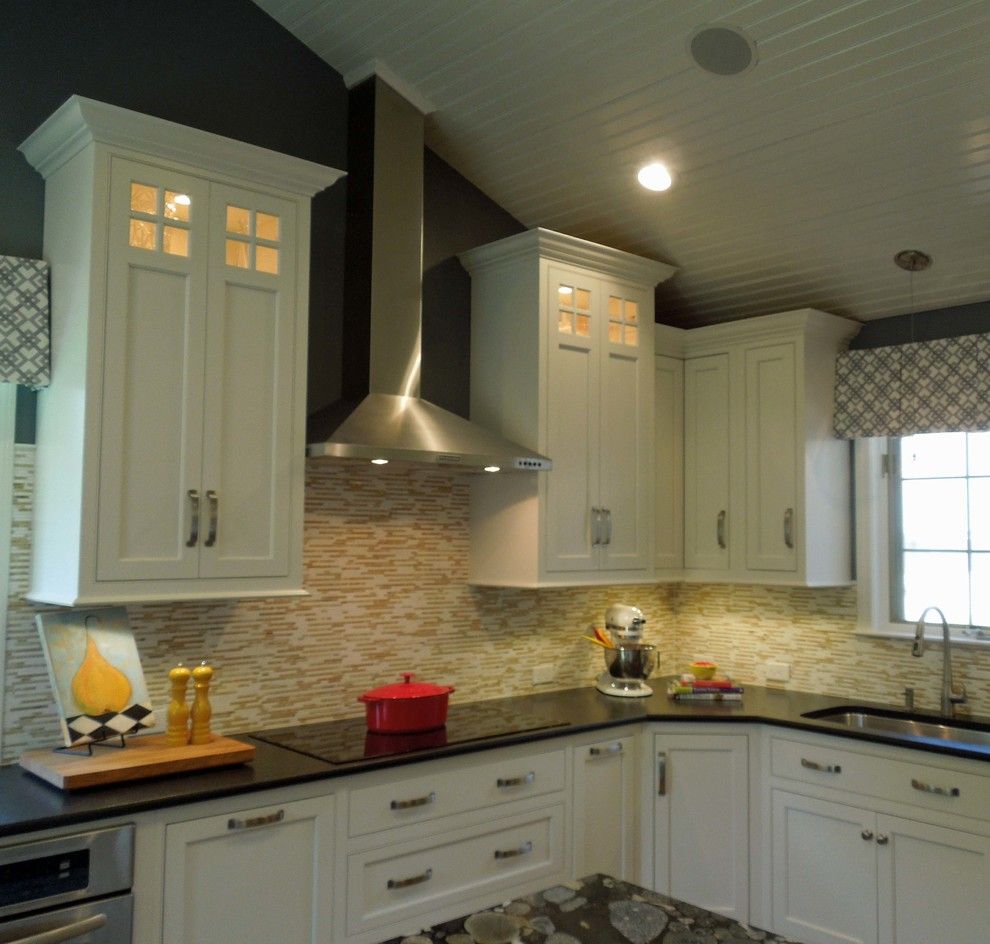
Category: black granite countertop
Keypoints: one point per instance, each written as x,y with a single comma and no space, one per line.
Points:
593,910
28,804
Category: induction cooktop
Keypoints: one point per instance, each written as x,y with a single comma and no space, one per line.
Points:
347,741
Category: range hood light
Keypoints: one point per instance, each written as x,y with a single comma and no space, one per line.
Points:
379,461
493,468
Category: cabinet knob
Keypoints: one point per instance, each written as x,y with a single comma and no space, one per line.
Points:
867,834
882,840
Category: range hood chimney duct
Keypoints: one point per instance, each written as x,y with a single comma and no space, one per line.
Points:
381,415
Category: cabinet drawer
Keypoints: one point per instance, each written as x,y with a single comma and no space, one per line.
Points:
926,785
423,798
389,884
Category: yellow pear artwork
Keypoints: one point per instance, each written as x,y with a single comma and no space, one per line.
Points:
98,687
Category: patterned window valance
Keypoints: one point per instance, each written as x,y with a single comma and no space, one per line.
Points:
929,387
24,339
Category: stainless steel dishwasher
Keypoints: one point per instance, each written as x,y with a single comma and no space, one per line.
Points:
74,888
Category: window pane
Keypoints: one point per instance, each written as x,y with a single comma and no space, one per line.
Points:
979,514
266,225
582,298
979,453
614,308
933,455
566,294
266,259
144,199
175,241
615,333
177,205
631,310
632,336
981,589
142,234
237,254
934,514
238,220
936,579
583,326
564,322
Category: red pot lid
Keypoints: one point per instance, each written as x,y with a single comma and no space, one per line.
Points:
405,689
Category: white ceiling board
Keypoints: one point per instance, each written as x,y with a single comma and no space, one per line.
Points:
863,129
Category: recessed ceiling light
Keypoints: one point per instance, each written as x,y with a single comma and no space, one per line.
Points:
493,468
183,199
654,176
722,50
379,461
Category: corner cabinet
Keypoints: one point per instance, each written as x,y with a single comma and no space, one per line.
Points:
766,485
562,362
171,440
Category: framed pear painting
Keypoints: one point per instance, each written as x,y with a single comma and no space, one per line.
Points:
96,673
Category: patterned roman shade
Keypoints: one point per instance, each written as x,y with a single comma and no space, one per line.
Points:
927,387
24,338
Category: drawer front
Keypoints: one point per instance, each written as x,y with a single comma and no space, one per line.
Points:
928,786
431,796
389,884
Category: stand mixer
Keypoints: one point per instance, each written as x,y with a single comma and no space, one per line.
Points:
631,661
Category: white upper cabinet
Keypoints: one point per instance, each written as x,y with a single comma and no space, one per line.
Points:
562,362
766,492
171,440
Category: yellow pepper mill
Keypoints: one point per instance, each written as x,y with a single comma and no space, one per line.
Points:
177,730
201,710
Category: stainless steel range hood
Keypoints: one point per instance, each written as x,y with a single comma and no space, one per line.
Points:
382,416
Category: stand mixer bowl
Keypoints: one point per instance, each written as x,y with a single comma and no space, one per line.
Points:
631,660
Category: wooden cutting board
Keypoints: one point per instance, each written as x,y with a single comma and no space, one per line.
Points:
143,757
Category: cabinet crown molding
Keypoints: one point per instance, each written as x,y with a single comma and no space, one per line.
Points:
569,250
80,121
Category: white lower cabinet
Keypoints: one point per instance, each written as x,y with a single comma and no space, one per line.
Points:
251,877
605,820
845,874
701,820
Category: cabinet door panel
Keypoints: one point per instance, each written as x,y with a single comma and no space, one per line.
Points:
701,821
572,423
153,377
708,522
249,358
251,885
772,518
668,393
604,808
824,871
626,424
933,884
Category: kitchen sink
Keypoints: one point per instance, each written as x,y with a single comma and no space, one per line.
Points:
904,725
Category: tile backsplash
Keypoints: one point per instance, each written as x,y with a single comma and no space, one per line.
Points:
386,569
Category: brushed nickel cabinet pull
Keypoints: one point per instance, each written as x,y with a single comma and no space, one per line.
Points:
214,503
789,527
596,527
525,849
720,530
418,801
608,525
615,748
662,774
822,768
412,880
194,524
254,821
516,781
931,788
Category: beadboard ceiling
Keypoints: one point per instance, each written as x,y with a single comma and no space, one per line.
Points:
863,129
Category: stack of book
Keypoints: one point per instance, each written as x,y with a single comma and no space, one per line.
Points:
719,688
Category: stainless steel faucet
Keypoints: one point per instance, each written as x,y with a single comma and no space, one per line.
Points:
951,695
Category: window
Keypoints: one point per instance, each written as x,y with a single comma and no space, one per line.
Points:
940,527
923,531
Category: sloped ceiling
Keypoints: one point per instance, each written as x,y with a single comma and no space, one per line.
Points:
863,129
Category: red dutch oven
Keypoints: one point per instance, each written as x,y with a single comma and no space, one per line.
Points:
406,706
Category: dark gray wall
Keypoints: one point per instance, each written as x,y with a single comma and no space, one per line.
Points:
220,65
925,326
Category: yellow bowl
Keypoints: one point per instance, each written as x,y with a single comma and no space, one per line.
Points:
703,670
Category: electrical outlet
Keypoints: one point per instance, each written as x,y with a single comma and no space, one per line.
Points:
543,674
778,672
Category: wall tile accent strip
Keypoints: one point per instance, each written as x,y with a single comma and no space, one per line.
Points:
386,568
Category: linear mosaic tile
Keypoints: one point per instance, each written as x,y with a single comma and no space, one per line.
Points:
386,569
